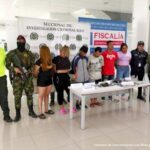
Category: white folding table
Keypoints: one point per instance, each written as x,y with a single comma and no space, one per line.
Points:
146,87
97,91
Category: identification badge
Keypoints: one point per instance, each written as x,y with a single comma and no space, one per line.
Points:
139,65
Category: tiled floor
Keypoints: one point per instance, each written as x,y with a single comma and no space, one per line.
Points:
109,124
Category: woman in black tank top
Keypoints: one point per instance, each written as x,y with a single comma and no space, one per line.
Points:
44,70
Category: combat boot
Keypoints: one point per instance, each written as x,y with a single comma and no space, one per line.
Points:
8,119
31,112
18,115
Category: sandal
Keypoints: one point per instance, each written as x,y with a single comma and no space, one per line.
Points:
50,112
92,105
42,116
98,103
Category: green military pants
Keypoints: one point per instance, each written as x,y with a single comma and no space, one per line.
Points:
18,86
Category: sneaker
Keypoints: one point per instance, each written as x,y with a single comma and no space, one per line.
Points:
74,110
62,111
116,100
110,98
78,106
85,105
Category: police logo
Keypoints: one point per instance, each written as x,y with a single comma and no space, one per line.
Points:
79,37
36,55
50,36
34,36
72,46
58,46
42,44
65,37
27,46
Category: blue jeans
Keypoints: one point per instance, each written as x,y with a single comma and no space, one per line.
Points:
122,72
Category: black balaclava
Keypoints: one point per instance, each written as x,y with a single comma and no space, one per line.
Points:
21,41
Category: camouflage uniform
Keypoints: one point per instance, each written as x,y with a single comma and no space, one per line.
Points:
18,84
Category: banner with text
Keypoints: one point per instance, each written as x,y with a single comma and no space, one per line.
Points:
54,34
104,30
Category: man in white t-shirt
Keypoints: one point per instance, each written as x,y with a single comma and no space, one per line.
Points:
95,64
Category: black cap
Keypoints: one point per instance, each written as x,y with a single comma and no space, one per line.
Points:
21,38
140,43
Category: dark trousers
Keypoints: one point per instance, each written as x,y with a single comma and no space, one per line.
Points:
62,82
140,75
4,96
107,77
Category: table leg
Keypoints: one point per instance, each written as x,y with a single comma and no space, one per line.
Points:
131,98
83,112
147,99
71,105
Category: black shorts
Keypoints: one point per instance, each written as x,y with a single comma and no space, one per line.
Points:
44,82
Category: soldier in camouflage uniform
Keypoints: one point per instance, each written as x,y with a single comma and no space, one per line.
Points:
22,76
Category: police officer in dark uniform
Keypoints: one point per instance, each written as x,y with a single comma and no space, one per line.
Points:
138,62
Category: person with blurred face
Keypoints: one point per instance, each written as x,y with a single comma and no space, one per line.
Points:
80,69
138,62
43,72
20,61
61,77
3,87
123,62
110,58
95,63
80,66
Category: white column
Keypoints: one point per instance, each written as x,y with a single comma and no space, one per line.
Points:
140,22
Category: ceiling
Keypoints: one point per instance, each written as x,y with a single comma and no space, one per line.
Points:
68,10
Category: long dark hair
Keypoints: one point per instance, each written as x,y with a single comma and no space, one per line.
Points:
122,45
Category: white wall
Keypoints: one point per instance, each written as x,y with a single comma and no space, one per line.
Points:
2,35
11,34
140,24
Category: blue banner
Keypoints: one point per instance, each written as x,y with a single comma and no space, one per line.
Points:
104,30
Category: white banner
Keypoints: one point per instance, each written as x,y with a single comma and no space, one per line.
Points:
54,34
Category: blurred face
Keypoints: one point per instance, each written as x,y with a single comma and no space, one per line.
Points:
21,41
82,53
140,47
97,54
124,49
110,46
62,54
